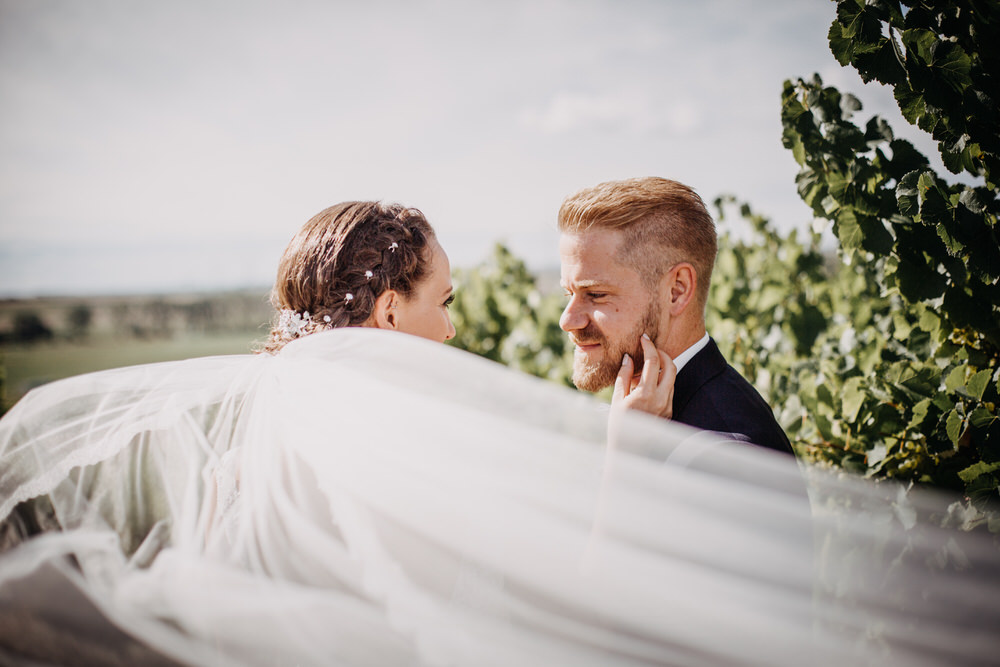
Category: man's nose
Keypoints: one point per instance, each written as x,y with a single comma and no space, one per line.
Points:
573,318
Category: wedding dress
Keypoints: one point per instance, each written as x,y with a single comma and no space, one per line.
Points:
369,498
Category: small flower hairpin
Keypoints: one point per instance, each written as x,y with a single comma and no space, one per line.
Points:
348,298
293,323
393,247
368,275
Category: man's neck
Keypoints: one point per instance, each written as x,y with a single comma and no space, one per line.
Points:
684,338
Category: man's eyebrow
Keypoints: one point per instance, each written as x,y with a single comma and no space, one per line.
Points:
584,284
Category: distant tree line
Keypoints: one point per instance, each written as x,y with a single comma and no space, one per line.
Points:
158,317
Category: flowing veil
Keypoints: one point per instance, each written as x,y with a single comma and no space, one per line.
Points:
370,498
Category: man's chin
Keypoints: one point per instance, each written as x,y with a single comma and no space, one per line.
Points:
593,377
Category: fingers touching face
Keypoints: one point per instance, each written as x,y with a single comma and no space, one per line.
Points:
649,389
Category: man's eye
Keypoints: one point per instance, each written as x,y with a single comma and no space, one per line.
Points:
596,295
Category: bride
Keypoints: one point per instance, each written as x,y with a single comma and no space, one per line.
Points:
355,496
363,264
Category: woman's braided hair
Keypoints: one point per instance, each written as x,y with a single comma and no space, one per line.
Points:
341,261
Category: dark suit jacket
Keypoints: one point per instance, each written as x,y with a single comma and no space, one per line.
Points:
710,395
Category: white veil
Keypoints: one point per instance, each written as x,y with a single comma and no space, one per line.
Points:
370,498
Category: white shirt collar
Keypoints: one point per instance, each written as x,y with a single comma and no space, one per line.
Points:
687,354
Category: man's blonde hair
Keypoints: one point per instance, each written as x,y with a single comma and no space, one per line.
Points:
664,223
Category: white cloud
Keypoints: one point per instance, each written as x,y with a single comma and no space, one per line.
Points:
684,117
621,112
582,112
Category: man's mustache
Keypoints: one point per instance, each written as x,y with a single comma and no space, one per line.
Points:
589,335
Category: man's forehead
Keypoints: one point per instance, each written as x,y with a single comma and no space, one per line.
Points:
591,247
590,258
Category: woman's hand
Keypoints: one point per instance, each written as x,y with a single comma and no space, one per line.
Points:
651,391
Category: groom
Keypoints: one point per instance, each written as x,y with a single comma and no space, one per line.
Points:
637,258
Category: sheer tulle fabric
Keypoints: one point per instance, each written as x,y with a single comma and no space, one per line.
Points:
369,498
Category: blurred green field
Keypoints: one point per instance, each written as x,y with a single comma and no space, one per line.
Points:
28,366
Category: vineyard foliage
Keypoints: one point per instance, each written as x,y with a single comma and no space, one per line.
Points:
822,340
883,359
922,405
500,313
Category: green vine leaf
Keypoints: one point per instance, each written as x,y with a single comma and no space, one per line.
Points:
954,426
978,382
956,378
853,397
908,195
976,470
953,63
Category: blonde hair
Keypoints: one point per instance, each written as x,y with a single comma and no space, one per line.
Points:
341,261
664,222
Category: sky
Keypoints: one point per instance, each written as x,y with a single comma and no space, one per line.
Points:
150,146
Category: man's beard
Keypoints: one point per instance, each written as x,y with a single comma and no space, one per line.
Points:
596,375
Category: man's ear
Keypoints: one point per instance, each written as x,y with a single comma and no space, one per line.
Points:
682,281
384,314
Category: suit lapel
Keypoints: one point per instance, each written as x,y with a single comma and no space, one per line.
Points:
703,366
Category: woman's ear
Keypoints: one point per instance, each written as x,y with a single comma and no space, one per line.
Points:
682,280
384,314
